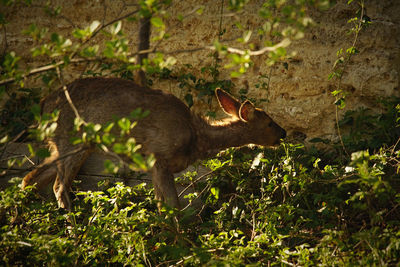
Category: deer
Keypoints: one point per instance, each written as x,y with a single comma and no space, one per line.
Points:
175,135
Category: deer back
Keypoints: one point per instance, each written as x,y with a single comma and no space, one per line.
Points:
170,131
167,131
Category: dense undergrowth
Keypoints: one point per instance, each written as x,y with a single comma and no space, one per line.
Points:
332,204
260,207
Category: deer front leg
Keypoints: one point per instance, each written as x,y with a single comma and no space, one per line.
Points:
67,169
164,185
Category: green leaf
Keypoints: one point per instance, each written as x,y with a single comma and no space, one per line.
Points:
215,192
235,74
108,127
90,51
79,34
157,22
119,148
124,124
55,38
76,140
200,10
189,99
139,161
2,19
43,153
341,103
35,109
336,92
30,149
108,139
246,36
110,166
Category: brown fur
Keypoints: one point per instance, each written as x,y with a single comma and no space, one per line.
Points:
171,132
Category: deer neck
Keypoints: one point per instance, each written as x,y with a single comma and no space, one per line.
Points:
213,137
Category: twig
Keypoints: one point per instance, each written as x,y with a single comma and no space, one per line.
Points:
153,50
194,182
202,191
233,50
54,160
59,15
191,256
341,75
18,156
72,60
77,115
43,69
395,145
11,141
283,43
68,97
77,242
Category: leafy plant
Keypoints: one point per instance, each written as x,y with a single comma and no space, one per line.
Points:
258,206
293,205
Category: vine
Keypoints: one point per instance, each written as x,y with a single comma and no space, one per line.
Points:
342,63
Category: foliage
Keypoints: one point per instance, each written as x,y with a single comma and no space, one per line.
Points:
366,129
288,206
358,23
258,207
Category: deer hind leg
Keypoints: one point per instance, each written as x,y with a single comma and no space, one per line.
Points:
164,185
67,169
45,173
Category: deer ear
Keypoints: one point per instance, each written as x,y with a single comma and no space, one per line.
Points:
228,104
246,111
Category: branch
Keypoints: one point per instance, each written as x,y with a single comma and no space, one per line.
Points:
62,62
144,44
194,182
43,69
232,50
49,163
68,97
283,43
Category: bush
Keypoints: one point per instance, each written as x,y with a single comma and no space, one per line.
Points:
259,207
289,206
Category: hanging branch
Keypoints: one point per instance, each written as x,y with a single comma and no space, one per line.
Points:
144,45
283,43
144,48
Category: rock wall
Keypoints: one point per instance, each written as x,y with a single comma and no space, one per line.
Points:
299,92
